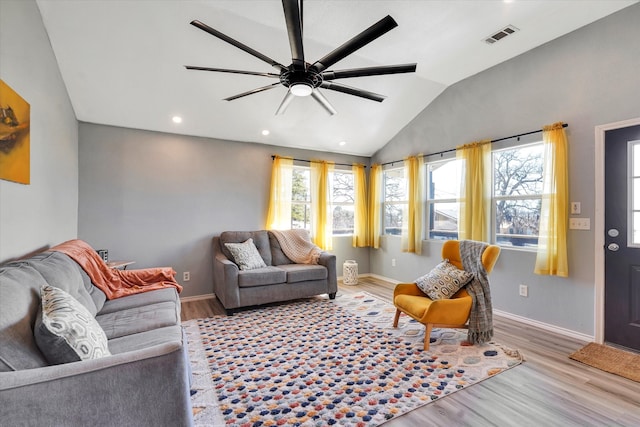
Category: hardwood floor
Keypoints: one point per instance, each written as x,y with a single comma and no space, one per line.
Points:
548,389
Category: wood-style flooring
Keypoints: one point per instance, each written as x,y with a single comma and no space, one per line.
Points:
548,389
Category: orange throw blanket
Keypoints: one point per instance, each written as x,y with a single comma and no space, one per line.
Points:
113,282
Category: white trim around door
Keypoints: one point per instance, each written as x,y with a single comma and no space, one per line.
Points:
599,221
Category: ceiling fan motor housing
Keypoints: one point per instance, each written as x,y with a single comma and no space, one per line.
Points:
292,76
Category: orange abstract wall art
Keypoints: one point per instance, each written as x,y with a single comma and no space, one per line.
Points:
14,136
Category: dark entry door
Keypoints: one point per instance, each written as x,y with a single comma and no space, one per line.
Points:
622,237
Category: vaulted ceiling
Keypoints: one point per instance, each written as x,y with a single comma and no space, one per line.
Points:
123,61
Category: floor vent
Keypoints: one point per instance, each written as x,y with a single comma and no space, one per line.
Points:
506,31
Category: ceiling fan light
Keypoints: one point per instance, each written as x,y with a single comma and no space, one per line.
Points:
301,89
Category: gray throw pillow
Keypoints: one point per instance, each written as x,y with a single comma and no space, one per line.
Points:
443,281
246,255
65,331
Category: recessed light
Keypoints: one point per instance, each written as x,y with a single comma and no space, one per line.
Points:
342,143
176,119
265,132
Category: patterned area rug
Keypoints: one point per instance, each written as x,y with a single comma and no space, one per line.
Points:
314,363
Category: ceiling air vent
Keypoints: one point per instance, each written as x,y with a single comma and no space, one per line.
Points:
506,31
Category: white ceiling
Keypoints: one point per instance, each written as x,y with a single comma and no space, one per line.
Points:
123,61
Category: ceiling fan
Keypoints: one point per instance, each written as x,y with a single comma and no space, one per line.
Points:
302,78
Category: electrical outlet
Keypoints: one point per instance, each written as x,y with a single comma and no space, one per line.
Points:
186,276
575,208
393,262
524,291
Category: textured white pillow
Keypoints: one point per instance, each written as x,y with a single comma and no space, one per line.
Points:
246,255
443,281
65,330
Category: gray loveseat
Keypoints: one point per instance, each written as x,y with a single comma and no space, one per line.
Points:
144,382
280,280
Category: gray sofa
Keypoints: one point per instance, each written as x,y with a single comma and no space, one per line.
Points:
280,280
144,382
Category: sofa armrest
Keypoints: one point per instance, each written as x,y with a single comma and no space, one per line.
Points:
146,387
328,260
225,278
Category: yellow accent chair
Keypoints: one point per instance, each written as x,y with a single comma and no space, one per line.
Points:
444,313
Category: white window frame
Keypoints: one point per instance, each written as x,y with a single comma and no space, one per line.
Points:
431,200
496,198
404,203
335,203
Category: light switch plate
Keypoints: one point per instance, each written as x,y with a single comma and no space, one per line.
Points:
575,208
580,223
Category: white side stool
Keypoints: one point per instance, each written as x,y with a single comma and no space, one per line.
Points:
350,272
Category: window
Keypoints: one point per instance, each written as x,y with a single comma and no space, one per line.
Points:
342,199
517,195
443,190
395,200
301,199
634,195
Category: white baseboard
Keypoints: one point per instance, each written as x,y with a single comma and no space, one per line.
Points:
535,323
197,297
546,326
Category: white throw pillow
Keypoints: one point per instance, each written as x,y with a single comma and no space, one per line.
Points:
443,281
65,331
246,255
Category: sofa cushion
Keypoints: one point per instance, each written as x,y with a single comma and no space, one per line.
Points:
277,255
246,255
65,331
139,319
260,239
62,272
141,299
146,339
303,272
261,277
19,302
443,281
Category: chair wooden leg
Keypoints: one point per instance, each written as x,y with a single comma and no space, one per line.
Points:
427,336
395,319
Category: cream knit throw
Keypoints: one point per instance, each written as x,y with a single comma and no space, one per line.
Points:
297,246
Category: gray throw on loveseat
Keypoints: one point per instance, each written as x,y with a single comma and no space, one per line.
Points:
144,382
280,280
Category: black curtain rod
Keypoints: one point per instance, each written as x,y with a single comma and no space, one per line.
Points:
311,161
564,125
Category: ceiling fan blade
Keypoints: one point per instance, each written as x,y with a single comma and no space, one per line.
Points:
224,70
285,103
323,101
293,17
369,71
367,36
250,51
251,92
353,91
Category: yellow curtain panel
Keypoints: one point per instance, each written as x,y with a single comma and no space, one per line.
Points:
321,207
474,194
412,221
552,241
360,221
279,213
375,202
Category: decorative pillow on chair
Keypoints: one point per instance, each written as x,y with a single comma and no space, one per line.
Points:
65,331
443,281
246,255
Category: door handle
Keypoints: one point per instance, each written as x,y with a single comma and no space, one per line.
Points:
613,247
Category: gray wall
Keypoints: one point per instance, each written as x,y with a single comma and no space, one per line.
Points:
46,212
586,78
159,198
